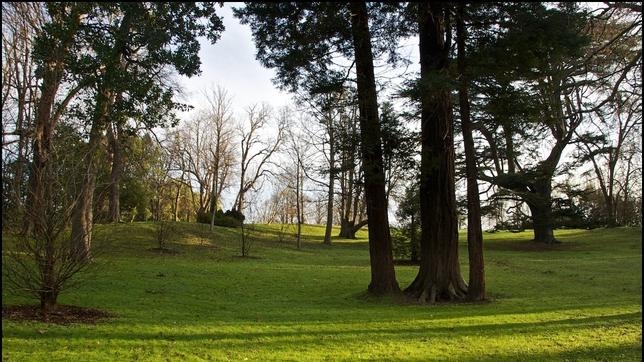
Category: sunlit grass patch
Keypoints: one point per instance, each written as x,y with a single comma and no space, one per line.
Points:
206,303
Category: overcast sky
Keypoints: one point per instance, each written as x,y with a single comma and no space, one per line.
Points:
231,63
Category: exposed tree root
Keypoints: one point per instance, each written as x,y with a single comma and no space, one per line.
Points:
432,293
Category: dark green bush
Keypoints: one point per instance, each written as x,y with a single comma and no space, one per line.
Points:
235,214
221,218
403,247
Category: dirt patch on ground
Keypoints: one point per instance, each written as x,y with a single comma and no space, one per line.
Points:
64,314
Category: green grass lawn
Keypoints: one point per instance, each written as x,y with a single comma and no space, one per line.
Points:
579,302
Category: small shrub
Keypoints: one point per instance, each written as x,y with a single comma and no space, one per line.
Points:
165,230
227,221
203,217
401,245
405,244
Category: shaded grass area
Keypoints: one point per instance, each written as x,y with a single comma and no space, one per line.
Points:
580,300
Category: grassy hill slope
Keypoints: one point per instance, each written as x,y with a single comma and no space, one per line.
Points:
580,300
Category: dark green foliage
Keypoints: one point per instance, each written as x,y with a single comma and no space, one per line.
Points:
299,40
403,246
230,218
131,54
523,74
567,214
400,146
302,41
406,239
142,164
235,214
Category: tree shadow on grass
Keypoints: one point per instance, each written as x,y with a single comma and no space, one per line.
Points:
354,333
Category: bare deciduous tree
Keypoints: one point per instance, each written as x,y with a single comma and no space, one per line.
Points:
45,262
219,115
20,23
256,151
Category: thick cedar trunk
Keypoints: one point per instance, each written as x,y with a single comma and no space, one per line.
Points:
476,288
542,223
439,277
346,229
540,205
542,226
383,276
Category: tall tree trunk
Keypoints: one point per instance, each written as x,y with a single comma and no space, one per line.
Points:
476,288
177,196
297,205
45,122
330,191
106,96
115,135
439,277
611,200
213,204
540,204
383,276
542,220
414,241
82,215
239,202
348,190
